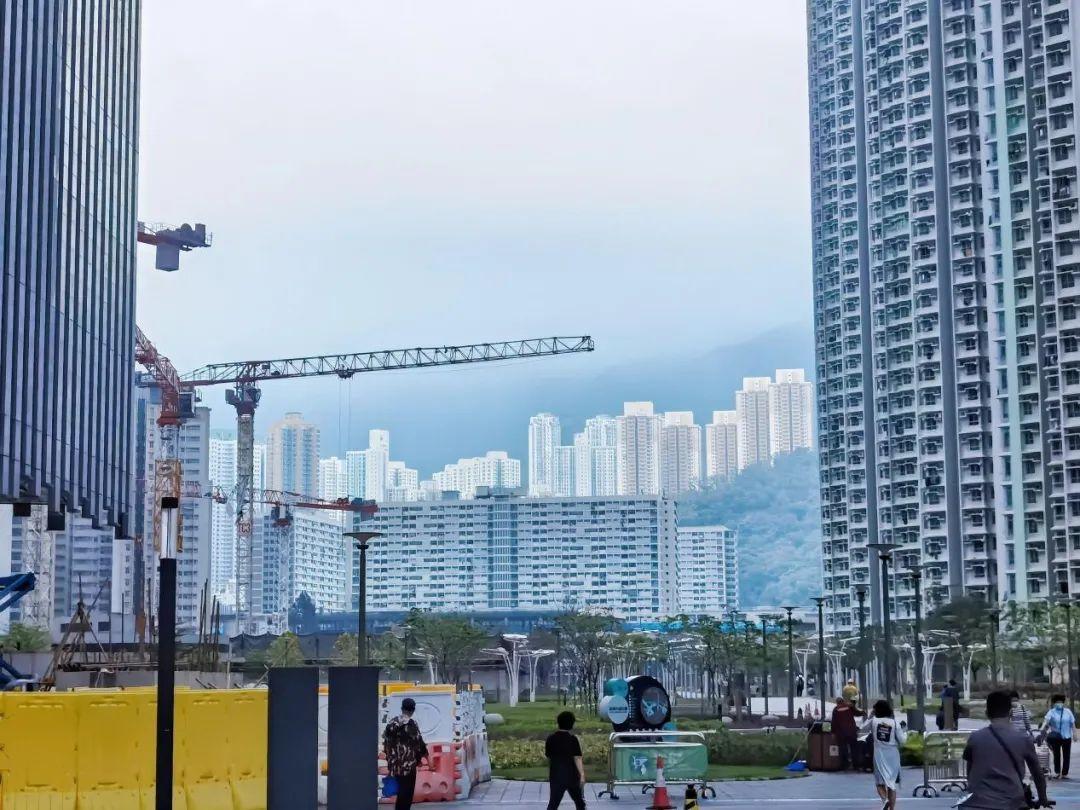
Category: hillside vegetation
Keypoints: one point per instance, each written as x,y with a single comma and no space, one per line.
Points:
776,512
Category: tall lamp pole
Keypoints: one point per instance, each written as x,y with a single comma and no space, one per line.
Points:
995,618
790,664
1065,597
884,553
166,670
362,541
820,602
860,594
917,722
765,661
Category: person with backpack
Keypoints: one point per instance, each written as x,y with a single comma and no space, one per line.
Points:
1058,726
405,749
995,757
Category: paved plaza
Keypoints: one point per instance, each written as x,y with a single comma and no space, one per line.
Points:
818,791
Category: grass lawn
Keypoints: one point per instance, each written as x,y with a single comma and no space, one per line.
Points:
717,773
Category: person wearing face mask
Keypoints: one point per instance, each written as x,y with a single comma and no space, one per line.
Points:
1058,726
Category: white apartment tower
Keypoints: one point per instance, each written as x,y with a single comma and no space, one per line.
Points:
680,453
545,434
722,446
292,456
638,449
333,479
223,516
596,457
791,412
402,483
564,479
752,413
708,570
495,470
909,251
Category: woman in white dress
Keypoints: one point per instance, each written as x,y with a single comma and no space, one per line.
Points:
887,736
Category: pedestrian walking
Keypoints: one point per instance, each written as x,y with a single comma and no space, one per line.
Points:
1020,715
888,735
996,756
566,772
405,749
846,731
800,685
1058,726
948,716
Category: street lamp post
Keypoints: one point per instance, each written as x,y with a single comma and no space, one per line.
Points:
883,550
790,663
765,661
362,541
917,722
1068,642
166,671
860,594
820,602
995,618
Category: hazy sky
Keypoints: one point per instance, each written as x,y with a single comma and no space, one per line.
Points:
406,173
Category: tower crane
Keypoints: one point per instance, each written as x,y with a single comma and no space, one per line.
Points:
245,377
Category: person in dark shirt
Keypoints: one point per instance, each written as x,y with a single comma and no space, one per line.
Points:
996,756
566,773
846,731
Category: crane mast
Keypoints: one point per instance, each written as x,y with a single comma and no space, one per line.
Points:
244,376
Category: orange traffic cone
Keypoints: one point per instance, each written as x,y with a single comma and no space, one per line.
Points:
660,800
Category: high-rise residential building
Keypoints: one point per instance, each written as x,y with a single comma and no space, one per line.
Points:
680,453
595,462
1027,97
194,560
292,456
501,553
258,472
638,449
68,189
909,249
722,446
377,464
791,412
356,473
752,415
223,515
403,483
564,479
333,479
545,434
708,570
495,470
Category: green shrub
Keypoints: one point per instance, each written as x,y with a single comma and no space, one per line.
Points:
912,751
730,748
519,753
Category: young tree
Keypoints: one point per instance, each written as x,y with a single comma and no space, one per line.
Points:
452,641
587,639
285,652
346,650
303,617
24,638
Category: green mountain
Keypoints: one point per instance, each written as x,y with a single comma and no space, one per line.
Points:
776,511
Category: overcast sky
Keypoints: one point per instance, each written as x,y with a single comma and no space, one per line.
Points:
378,174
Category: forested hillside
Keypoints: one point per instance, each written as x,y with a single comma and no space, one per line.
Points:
776,512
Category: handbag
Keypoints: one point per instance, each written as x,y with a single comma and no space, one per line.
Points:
1029,797
389,786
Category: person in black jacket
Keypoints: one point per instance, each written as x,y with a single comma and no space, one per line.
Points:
566,772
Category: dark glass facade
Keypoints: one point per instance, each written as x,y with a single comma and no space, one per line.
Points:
69,81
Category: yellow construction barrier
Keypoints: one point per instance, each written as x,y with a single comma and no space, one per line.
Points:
95,750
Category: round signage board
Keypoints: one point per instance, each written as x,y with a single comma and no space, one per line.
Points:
615,709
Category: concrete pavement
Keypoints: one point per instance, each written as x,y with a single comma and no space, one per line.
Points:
818,791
